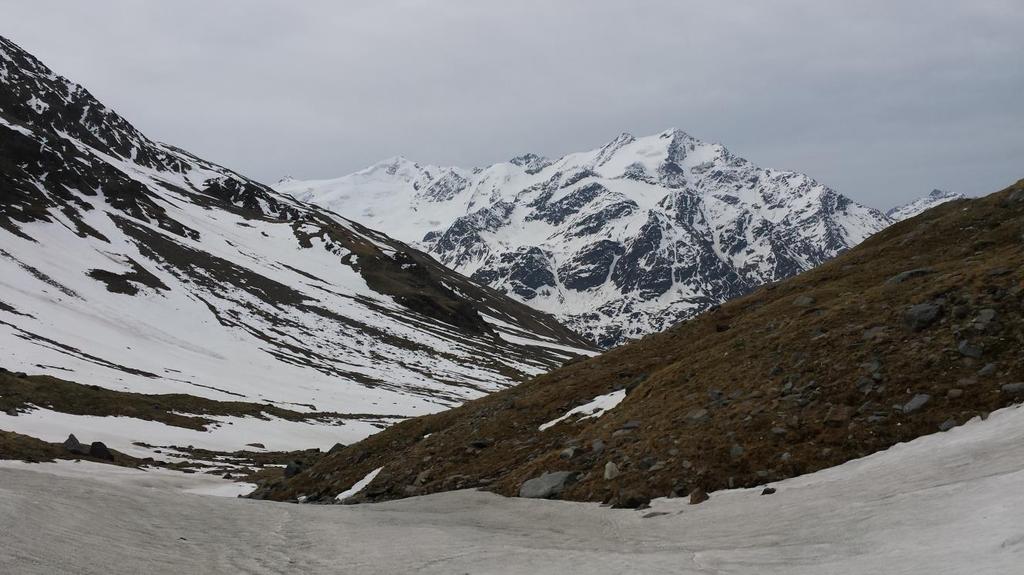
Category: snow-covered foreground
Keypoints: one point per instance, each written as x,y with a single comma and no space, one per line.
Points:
946,503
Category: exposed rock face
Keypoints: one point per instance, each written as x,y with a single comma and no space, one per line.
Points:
617,242
133,264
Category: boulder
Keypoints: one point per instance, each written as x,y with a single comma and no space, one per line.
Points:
611,471
803,301
916,402
100,451
256,445
907,275
698,495
546,486
768,491
947,425
74,446
968,349
921,316
1014,389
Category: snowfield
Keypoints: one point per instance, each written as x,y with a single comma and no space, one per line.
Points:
948,503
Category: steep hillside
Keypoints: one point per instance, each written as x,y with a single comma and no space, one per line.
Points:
911,209
617,242
916,330
133,265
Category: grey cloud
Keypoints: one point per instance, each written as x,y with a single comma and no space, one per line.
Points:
881,100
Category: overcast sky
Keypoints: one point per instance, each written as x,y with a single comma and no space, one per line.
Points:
881,100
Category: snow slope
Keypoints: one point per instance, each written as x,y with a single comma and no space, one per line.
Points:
133,265
617,242
911,209
948,503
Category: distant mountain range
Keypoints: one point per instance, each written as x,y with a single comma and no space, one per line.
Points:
911,209
617,242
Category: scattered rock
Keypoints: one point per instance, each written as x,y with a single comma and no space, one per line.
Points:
336,448
698,495
736,451
74,446
1013,389
293,468
100,451
12,412
226,476
909,274
256,445
597,446
947,425
768,491
989,369
698,415
567,453
873,333
984,320
919,317
955,393
967,349
422,477
547,485
779,431
631,500
481,443
803,301
838,415
633,424
916,402
611,471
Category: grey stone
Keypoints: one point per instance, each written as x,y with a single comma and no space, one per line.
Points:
698,495
567,453
909,274
955,393
1013,389
768,491
697,415
100,451
989,369
547,485
920,316
481,443
293,468
633,424
968,349
984,319
803,301
74,446
947,425
256,445
611,471
597,445
736,451
12,412
916,402
779,431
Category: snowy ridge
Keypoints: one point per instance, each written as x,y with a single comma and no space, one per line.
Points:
911,209
617,242
133,265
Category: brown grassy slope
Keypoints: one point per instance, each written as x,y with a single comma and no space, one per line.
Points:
789,384
22,392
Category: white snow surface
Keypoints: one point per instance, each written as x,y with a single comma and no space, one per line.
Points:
358,485
944,504
911,209
593,408
617,242
249,297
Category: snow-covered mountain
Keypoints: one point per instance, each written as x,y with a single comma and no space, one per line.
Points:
134,265
911,209
617,242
